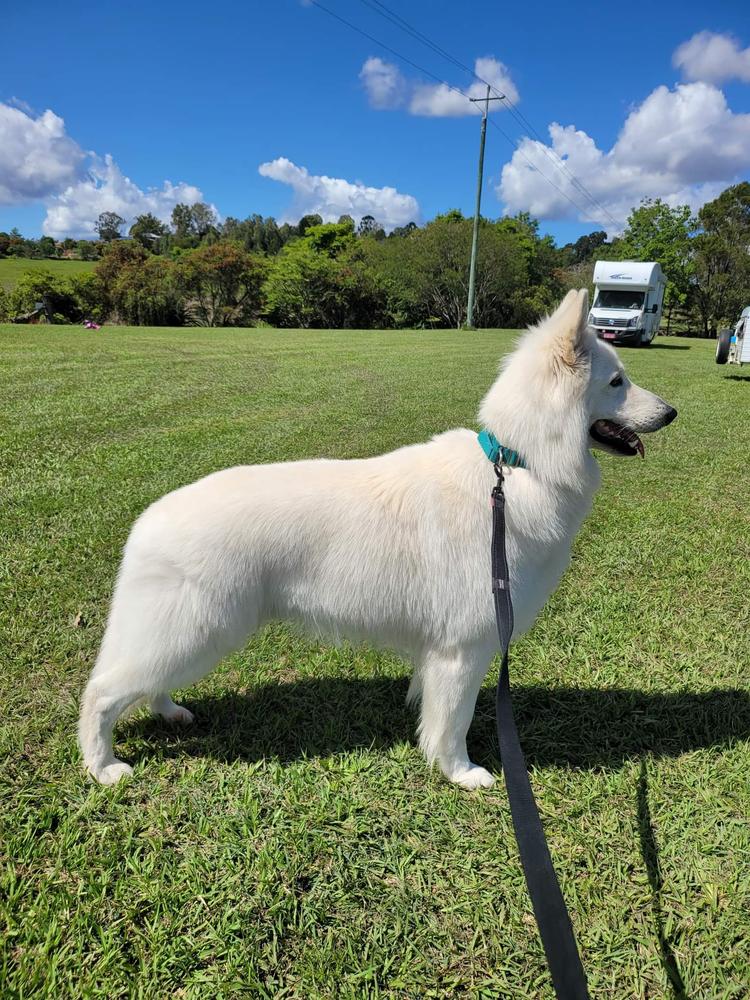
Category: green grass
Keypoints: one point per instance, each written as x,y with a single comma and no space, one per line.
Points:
293,843
12,268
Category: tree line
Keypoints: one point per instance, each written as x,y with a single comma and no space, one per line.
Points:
313,274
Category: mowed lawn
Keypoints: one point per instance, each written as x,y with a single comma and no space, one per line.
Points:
293,843
13,268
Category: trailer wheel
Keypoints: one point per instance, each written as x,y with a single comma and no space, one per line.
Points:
722,346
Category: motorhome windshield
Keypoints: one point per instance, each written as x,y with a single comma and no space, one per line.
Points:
617,298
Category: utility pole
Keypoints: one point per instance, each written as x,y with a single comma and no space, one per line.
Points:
475,235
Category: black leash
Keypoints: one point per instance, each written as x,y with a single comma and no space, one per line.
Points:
551,913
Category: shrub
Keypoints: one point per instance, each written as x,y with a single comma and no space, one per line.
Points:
144,293
56,293
221,284
324,280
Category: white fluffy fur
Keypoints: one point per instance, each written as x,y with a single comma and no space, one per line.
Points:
392,550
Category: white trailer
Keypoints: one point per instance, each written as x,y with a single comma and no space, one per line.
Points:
734,345
627,301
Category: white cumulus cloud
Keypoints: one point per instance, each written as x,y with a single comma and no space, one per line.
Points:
40,162
385,84
37,158
387,89
712,57
106,189
331,197
683,145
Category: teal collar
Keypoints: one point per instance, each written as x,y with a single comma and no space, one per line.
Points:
498,453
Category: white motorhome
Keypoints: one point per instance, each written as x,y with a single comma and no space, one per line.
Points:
734,345
627,301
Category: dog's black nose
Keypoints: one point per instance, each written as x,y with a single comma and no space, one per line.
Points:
671,414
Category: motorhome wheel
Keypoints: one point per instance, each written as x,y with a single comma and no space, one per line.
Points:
722,346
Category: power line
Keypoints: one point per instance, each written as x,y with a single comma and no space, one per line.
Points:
399,21
514,143
388,48
394,18
557,161
457,90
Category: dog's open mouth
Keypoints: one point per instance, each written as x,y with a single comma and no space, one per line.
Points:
617,438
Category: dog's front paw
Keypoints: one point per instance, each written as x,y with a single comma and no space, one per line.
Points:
172,712
473,776
180,715
112,773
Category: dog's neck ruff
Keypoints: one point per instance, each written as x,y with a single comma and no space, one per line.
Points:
497,453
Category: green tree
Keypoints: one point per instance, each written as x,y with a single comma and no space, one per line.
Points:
221,284
299,287
52,290
137,287
86,289
540,287
148,231
585,247
323,280
182,222
656,231
145,293
47,247
16,244
721,258
369,226
271,241
115,258
306,222
406,230
287,232
204,219
255,233
109,226
87,249
426,273
330,238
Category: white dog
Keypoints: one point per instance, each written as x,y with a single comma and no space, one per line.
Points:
392,550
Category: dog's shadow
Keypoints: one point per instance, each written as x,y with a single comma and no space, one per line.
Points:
579,728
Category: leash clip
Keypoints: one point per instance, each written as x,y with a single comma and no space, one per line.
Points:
497,498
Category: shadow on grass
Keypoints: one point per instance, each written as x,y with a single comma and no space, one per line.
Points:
577,728
669,347
737,378
650,853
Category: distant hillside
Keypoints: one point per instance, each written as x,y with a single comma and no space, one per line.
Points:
11,268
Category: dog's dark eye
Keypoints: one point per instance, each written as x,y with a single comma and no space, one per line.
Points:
617,380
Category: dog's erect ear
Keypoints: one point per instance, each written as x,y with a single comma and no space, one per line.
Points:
568,326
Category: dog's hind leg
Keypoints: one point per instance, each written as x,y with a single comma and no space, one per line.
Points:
104,701
450,685
128,672
163,633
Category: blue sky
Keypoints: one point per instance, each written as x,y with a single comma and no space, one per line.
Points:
203,94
